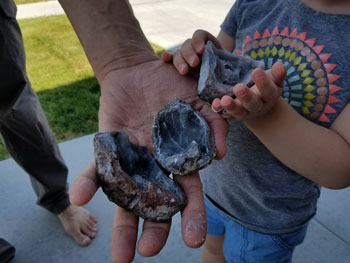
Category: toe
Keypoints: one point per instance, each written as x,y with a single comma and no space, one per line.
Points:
82,240
93,218
92,222
92,226
89,232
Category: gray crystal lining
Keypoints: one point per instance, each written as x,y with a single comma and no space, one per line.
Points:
131,178
222,70
182,140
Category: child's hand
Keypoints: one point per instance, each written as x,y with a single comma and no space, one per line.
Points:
187,58
255,101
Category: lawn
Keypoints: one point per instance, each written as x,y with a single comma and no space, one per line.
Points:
61,76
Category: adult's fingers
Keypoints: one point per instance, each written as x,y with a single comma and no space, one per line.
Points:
124,236
166,57
200,38
153,238
84,186
180,63
193,218
189,54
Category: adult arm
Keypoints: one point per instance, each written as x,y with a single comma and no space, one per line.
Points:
109,33
135,85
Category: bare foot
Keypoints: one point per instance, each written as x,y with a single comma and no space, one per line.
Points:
79,224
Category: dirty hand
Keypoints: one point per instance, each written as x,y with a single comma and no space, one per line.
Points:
130,98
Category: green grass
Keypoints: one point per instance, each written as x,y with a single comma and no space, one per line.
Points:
20,2
61,76
72,109
54,54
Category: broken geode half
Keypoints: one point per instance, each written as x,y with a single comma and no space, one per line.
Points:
182,140
221,71
131,178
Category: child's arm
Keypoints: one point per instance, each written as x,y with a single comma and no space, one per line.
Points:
320,154
227,42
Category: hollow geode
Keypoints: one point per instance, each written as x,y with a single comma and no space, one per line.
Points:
221,71
182,140
131,178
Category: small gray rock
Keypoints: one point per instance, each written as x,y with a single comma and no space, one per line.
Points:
221,71
131,178
182,140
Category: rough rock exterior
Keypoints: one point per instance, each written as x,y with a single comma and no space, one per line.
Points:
221,71
131,178
182,140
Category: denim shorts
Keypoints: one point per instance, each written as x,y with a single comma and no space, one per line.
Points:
242,245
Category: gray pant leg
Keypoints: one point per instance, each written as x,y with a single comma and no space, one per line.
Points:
7,252
23,125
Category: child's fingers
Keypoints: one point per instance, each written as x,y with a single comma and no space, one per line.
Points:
166,57
267,88
248,98
189,54
200,38
233,107
179,63
269,82
278,73
216,104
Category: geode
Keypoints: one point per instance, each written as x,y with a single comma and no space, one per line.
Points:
221,71
182,140
131,178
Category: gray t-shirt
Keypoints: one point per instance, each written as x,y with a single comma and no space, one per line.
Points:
253,187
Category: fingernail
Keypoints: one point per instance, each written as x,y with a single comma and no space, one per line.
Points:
214,110
182,68
192,60
198,48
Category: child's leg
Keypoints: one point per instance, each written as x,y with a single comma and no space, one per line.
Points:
212,250
213,246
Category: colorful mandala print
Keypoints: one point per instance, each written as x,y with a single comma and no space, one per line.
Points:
309,87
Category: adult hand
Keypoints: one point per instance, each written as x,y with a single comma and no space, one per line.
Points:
130,99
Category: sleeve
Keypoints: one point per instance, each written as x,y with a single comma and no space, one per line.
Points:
230,24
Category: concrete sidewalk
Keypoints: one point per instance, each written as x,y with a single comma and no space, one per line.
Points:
39,238
166,23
